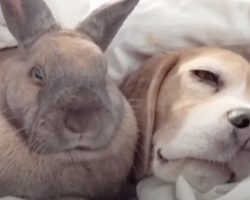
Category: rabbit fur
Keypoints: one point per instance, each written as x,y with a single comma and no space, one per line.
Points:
66,131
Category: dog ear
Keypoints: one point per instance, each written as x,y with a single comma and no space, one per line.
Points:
142,89
102,25
27,20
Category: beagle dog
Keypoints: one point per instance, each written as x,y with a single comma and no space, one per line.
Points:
193,111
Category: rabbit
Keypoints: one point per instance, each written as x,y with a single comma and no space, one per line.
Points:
66,131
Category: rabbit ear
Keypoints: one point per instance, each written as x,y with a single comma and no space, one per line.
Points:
27,20
103,23
142,89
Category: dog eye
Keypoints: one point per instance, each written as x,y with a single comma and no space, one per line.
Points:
37,74
206,77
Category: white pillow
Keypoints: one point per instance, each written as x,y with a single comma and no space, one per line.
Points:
164,25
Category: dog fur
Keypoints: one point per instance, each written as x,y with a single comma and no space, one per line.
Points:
183,118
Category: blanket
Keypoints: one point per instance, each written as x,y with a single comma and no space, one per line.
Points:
152,188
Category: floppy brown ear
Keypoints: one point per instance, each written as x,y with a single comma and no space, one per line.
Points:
142,89
27,20
104,22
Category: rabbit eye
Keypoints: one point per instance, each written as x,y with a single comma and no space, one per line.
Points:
37,74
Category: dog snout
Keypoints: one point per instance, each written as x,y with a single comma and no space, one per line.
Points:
239,118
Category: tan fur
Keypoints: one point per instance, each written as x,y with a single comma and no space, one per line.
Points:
27,173
143,96
66,131
173,102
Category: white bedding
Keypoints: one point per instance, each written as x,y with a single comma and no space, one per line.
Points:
154,189
164,25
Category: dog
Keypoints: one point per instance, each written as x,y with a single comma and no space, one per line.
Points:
193,112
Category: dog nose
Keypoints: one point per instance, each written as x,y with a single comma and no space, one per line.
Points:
239,118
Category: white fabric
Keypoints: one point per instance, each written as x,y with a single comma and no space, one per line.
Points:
10,198
67,13
163,25
154,189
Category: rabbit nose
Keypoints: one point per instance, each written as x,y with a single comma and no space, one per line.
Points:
76,120
72,125
85,112
239,118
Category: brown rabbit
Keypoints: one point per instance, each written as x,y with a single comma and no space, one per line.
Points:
66,131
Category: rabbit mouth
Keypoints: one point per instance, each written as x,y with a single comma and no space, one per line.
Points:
70,128
50,135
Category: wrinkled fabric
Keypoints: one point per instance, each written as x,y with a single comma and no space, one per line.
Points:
166,25
67,13
152,188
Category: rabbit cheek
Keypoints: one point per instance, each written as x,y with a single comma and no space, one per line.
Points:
46,134
22,104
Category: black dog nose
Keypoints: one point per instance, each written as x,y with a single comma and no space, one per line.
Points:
240,118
